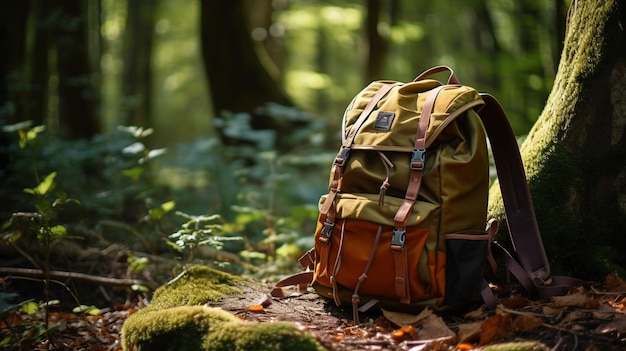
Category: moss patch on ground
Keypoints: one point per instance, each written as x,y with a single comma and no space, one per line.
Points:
179,319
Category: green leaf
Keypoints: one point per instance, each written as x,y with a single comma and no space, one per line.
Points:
173,245
252,254
30,307
43,188
92,310
134,172
50,303
28,135
58,231
158,212
6,340
138,287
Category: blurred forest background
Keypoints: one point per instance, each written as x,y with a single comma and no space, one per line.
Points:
175,124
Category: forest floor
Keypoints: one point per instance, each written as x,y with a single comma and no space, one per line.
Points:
591,317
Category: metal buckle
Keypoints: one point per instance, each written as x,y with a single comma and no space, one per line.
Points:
397,239
326,231
342,156
417,159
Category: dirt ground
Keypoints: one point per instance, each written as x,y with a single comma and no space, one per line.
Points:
588,320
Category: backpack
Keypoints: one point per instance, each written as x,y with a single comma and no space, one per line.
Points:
404,224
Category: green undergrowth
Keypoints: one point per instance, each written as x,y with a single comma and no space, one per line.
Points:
178,318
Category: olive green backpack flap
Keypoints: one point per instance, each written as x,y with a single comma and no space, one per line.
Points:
404,224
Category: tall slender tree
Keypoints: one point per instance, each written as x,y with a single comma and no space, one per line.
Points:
137,75
77,109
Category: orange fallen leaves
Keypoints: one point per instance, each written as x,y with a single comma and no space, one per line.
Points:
515,302
526,323
496,328
256,309
404,333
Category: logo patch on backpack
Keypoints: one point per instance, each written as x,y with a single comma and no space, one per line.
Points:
384,120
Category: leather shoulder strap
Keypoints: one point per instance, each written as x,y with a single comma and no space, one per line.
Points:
518,206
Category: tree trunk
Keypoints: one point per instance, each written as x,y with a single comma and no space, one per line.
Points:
239,78
77,116
575,154
378,42
137,77
13,87
241,75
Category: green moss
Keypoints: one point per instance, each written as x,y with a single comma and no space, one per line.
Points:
178,319
517,346
177,328
197,286
277,336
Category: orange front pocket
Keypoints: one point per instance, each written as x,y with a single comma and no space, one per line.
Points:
349,248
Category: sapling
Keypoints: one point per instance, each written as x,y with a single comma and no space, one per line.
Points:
196,232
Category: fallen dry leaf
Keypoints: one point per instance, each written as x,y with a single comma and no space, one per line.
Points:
578,299
615,284
619,305
464,347
496,328
469,333
404,319
475,314
433,327
515,302
404,333
256,309
526,323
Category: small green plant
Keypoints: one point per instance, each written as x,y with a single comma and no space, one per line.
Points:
195,232
47,203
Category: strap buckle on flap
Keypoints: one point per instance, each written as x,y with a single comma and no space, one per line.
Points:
397,239
342,156
326,231
417,159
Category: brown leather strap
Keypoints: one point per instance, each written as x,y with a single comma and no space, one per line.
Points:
417,161
429,72
301,280
533,270
401,281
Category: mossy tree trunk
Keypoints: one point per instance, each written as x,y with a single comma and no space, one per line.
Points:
575,154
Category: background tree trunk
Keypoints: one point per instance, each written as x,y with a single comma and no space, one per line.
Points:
240,81
137,76
77,98
13,22
378,42
240,73
575,155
